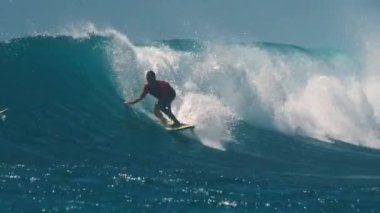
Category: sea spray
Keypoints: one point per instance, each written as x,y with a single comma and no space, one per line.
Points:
323,94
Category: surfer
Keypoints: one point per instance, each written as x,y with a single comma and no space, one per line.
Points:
164,93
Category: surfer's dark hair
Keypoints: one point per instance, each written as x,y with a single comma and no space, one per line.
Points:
150,74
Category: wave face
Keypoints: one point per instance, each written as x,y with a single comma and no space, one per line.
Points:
278,127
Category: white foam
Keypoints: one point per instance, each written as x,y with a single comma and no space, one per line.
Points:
329,97
330,108
212,118
294,92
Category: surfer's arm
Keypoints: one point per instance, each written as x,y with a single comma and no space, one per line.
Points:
142,96
134,101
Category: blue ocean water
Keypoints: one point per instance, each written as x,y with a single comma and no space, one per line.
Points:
279,128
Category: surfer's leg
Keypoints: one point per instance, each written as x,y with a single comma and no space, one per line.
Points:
158,113
168,111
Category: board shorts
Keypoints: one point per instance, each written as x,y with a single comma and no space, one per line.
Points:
165,104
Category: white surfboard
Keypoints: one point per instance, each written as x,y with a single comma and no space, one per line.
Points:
181,127
169,126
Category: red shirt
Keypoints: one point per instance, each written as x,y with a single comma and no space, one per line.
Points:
162,90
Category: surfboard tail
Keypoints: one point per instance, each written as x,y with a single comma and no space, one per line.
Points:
181,127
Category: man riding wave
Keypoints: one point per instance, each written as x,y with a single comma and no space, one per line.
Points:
165,95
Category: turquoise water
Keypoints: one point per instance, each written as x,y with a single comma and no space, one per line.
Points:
69,144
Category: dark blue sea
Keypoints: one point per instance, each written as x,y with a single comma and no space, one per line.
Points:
279,128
